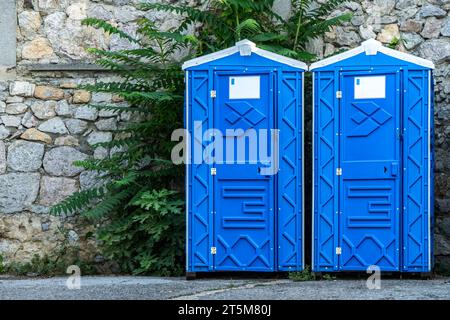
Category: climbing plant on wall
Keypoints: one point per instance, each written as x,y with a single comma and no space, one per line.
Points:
223,22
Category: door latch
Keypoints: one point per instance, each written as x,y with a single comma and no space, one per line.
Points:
338,94
213,250
213,93
213,171
339,171
394,169
338,250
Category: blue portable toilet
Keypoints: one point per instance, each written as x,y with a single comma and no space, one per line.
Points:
240,217
373,161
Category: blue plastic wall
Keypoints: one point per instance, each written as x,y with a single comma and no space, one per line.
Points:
416,216
288,222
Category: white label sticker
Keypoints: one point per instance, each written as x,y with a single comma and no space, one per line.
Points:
370,87
245,87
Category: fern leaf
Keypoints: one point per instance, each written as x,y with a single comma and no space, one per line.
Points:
109,204
108,28
78,201
326,7
269,37
319,27
249,26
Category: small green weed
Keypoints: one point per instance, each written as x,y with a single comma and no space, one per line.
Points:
44,266
328,277
305,275
394,43
49,265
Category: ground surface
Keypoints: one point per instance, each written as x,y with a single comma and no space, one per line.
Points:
178,288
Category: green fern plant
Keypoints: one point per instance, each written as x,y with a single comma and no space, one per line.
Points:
141,225
304,275
223,22
308,23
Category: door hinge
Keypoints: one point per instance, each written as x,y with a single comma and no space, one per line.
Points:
338,94
213,93
339,171
213,250
338,250
213,171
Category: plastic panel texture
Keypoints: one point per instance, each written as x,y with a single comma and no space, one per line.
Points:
200,181
432,168
416,162
415,180
325,163
202,229
290,176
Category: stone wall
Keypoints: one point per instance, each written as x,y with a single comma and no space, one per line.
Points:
45,124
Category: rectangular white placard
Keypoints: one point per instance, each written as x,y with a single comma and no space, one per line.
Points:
370,87
246,87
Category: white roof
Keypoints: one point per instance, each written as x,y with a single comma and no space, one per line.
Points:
245,48
371,47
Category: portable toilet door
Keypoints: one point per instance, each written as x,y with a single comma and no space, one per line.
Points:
241,214
372,161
